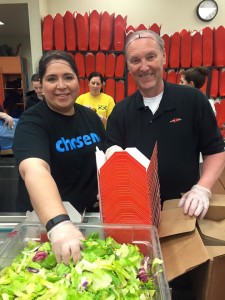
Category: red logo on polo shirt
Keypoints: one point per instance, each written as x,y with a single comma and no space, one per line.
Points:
175,120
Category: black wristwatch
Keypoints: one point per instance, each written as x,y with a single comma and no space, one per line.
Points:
56,220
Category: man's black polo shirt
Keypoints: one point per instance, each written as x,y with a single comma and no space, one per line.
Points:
183,126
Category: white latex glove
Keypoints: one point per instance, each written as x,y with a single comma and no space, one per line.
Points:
196,201
66,241
109,152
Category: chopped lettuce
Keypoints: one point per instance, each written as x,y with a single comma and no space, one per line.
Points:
107,271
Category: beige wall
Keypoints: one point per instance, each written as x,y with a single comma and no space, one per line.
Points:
172,15
43,7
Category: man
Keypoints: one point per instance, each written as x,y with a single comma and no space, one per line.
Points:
179,118
35,96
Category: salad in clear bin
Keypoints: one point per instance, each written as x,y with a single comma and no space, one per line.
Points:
107,270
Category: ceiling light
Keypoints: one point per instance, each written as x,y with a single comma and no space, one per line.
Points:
1,23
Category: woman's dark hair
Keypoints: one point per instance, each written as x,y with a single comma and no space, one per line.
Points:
196,75
47,57
96,74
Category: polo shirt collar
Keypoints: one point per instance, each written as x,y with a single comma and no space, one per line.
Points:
165,105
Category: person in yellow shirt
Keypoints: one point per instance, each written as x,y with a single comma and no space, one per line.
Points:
98,101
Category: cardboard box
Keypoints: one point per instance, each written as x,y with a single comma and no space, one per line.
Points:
188,244
222,179
219,186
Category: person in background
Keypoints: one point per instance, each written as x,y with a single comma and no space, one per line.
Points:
13,103
35,96
177,117
98,101
54,148
196,77
9,121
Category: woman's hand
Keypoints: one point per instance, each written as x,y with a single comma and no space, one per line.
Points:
66,241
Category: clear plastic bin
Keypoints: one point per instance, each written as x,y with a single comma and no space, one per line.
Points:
144,236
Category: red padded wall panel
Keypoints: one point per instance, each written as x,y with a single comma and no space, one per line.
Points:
87,89
214,83
172,76
94,38
196,49
100,63
59,32
222,83
174,56
120,65
106,31
82,87
119,33
166,39
185,49
120,91
219,46
70,31
89,63
110,86
110,65
131,85
141,27
79,59
207,46
130,29
155,27
82,31
47,33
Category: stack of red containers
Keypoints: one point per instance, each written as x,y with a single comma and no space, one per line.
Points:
129,189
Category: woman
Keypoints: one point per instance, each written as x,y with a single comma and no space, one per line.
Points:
54,147
196,77
101,103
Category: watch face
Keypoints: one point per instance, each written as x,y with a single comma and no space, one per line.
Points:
207,10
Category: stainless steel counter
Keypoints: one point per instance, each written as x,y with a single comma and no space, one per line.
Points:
9,222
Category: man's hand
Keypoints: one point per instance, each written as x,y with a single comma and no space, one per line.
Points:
196,201
66,241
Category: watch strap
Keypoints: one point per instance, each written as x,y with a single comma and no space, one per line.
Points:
56,220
